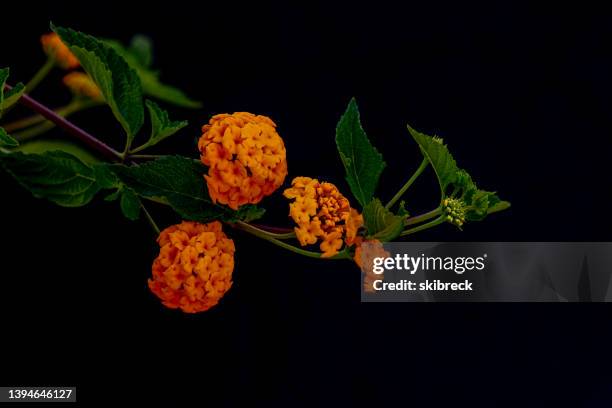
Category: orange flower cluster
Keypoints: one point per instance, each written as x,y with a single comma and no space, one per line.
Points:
365,252
81,84
246,158
194,267
56,49
322,212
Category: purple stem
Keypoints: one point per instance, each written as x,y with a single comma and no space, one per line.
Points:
279,230
69,127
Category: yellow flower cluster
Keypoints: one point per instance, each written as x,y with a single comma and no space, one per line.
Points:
81,84
245,156
56,49
194,267
365,252
322,213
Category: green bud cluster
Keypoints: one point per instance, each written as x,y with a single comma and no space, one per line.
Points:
454,211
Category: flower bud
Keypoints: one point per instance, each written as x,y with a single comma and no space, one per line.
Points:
81,84
56,49
454,210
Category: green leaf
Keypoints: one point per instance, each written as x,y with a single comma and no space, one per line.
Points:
129,201
106,178
380,223
155,88
362,162
179,182
499,206
114,196
57,176
6,140
246,213
439,157
45,145
130,204
118,82
463,183
12,96
456,182
151,85
141,47
481,203
161,125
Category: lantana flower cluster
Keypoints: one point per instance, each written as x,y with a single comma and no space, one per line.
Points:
323,214
365,253
194,267
246,158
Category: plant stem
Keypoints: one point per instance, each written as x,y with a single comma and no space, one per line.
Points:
69,127
27,122
126,152
288,235
146,156
263,229
279,230
256,232
422,227
423,217
150,219
39,75
402,190
264,235
33,131
74,106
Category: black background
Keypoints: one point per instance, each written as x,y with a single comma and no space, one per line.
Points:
521,94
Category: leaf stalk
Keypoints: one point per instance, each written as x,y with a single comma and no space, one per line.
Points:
268,237
150,219
410,181
40,75
422,227
423,217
